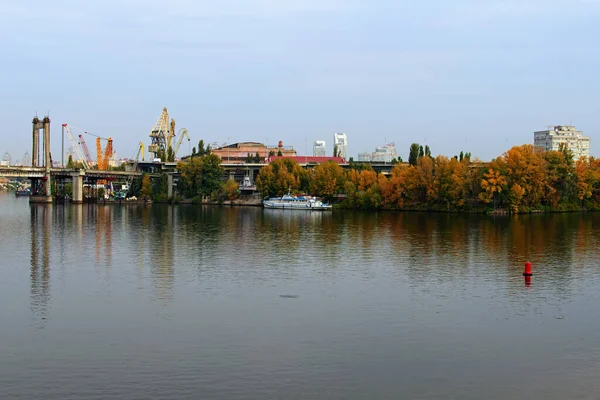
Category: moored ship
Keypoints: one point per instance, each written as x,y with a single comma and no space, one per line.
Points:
22,192
289,202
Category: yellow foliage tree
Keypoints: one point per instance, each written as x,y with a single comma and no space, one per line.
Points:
491,184
327,180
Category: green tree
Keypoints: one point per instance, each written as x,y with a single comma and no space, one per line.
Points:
70,163
201,150
256,158
170,154
427,151
421,152
200,176
249,158
413,154
279,153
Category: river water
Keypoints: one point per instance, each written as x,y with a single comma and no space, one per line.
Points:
191,302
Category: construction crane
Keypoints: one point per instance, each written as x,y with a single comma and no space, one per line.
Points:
69,132
182,133
160,134
136,159
103,156
171,134
88,157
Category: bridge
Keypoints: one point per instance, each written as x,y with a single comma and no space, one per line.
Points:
77,176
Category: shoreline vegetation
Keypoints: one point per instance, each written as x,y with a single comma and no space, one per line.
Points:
522,180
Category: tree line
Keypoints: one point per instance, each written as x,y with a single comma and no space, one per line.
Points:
521,180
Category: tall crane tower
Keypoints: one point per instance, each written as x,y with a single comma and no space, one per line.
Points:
162,135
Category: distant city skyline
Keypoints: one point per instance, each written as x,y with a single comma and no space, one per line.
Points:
457,76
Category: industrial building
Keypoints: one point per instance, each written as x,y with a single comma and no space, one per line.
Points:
552,138
237,153
385,153
340,141
319,148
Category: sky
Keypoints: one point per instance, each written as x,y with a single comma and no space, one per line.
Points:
461,75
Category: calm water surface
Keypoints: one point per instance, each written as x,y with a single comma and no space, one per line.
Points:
189,302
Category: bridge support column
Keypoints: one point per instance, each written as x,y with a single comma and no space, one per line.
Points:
169,185
77,187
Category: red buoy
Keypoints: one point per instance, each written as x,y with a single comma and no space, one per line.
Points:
527,271
527,280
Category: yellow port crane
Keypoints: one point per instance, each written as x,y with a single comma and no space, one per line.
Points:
162,135
182,133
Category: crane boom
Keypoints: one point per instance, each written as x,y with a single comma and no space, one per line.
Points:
171,134
99,154
160,133
88,157
108,152
75,145
136,159
182,133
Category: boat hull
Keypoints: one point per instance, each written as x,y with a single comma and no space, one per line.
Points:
295,205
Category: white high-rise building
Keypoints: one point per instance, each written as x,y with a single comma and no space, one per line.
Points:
340,140
385,153
319,149
552,138
26,160
7,159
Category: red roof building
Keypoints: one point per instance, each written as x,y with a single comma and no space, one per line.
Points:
310,159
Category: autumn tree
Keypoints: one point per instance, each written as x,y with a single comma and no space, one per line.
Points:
230,189
525,168
491,184
146,186
327,180
280,176
392,188
585,179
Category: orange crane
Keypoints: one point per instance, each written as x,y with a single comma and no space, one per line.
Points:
103,156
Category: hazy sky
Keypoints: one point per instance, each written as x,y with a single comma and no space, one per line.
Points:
473,75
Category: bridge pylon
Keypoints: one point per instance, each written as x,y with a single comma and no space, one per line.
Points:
41,191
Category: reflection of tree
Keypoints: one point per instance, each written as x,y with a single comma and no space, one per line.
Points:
40,259
161,232
103,238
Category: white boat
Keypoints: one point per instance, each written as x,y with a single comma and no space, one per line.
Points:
296,203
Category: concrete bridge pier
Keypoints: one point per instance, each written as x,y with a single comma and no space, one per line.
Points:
77,187
169,185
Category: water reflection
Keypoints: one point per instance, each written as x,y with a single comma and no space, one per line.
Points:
305,303
39,291
161,251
